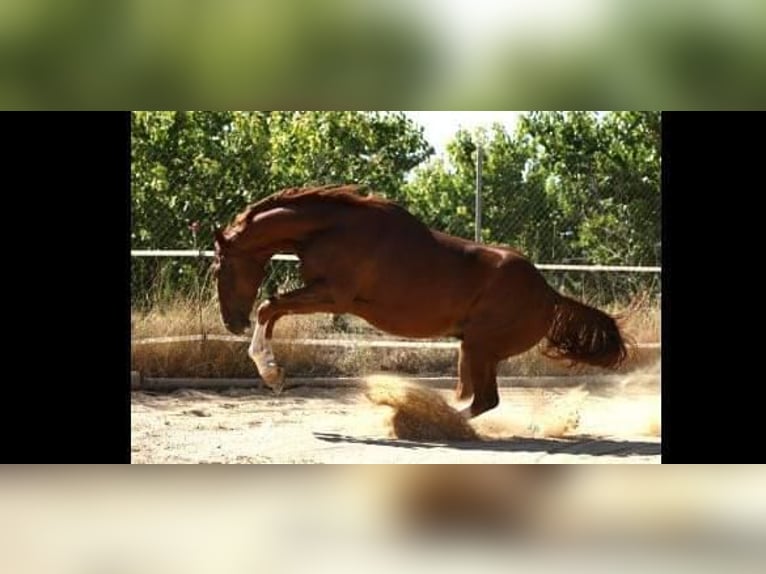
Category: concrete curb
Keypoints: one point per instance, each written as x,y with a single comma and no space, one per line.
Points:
139,383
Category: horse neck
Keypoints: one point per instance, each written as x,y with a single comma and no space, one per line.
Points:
282,225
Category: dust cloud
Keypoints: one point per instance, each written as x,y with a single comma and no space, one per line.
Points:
625,406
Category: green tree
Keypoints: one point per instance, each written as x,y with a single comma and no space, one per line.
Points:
192,166
368,148
602,179
442,193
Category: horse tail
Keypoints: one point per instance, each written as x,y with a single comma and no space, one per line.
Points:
583,334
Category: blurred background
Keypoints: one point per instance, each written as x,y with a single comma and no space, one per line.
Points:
577,192
77,54
384,518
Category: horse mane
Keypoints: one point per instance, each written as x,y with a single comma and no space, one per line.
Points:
347,193
341,193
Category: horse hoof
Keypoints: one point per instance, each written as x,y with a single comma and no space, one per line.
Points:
275,379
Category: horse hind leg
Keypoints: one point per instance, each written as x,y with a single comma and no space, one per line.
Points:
483,377
464,388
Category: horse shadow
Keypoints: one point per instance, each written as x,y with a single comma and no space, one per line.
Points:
575,445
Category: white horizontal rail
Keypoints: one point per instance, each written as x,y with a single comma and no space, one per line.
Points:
626,268
286,257
192,253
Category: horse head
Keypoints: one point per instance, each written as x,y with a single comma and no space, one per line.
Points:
238,276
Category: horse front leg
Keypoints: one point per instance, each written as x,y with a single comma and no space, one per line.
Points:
315,298
262,354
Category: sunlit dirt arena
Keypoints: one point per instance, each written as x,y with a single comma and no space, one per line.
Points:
387,419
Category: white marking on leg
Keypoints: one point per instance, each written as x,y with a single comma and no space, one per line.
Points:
260,351
257,344
262,354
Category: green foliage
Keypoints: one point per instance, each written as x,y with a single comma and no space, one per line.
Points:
603,180
368,148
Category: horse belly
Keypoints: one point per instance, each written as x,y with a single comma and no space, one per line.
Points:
413,322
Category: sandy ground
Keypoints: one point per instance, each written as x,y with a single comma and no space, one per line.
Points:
615,423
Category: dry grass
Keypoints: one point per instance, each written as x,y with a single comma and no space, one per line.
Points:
229,359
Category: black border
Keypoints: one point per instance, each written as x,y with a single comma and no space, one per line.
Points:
711,410
672,138
70,401
667,166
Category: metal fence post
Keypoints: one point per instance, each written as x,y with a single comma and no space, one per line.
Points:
478,193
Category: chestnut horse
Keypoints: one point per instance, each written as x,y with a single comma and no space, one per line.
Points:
369,257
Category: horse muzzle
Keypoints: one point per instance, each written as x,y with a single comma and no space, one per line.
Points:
237,327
